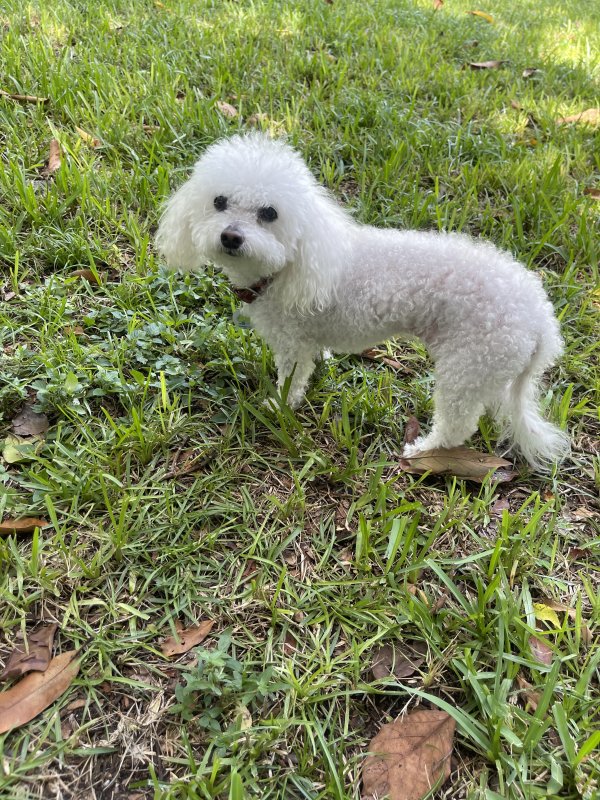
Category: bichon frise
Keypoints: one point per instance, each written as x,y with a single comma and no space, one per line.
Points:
313,279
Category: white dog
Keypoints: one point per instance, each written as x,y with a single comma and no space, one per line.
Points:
314,279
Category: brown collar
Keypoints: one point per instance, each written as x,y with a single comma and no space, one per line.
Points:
252,293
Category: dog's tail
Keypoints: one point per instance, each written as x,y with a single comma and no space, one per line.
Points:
540,442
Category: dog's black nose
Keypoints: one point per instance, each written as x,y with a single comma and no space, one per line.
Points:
232,239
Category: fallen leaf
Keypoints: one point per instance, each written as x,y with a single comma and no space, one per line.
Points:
88,274
22,525
24,98
409,757
590,116
499,506
593,192
36,691
437,4
187,638
463,462
482,15
377,355
439,603
527,73
289,644
583,513
571,612
576,553
545,613
90,140
526,689
17,448
30,655
54,159
540,650
227,109
29,422
398,661
412,429
486,64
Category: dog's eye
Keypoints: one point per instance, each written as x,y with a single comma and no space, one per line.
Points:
220,203
267,214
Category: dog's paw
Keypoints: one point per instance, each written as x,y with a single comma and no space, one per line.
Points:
416,447
270,404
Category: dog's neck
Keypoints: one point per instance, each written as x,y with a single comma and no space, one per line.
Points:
252,293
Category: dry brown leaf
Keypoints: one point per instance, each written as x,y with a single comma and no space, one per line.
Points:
486,64
540,650
29,423
399,661
32,654
531,696
593,192
576,553
30,696
24,98
437,4
409,756
527,73
227,109
21,525
90,140
88,274
187,638
463,462
499,506
377,355
412,429
54,159
582,513
482,15
439,603
590,116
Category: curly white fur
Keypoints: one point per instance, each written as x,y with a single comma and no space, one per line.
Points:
342,286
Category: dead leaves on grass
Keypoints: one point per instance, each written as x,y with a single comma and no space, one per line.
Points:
10,526
591,116
186,639
37,690
24,98
462,462
399,661
29,423
486,64
31,655
28,438
409,757
540,651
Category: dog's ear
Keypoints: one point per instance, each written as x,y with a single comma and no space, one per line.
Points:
321,255
174,235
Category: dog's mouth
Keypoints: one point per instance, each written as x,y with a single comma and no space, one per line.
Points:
234,253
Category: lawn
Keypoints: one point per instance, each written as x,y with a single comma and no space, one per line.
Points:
167,496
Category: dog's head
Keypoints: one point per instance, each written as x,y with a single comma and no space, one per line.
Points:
252,208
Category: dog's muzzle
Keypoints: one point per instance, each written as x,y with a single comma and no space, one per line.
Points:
232,239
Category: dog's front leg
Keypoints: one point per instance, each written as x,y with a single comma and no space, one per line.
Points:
297,365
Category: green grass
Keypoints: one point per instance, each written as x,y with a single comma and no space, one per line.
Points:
295,532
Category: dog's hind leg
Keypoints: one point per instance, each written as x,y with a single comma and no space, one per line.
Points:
455,420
